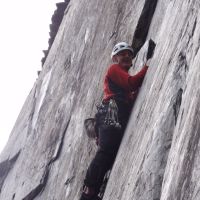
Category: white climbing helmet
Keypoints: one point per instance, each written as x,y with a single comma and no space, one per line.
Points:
120,47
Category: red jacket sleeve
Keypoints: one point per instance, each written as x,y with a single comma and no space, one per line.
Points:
124,80
136,81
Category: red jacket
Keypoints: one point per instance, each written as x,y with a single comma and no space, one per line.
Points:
119,84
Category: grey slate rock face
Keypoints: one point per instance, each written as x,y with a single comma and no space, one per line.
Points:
160,154
54,26
5,167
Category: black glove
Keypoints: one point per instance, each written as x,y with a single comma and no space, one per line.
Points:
151,49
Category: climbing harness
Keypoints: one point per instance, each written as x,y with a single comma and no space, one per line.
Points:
111,118
107,116
108,112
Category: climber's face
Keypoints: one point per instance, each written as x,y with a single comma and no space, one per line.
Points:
124,59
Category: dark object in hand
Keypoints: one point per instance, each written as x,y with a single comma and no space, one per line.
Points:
151,49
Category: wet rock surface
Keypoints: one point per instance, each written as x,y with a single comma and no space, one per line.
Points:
159,155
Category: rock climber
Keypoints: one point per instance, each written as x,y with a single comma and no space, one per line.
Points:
120,89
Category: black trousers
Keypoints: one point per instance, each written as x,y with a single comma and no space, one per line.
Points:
109,142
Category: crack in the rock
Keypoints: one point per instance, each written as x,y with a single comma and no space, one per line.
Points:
182,62
143,25
39,188
69,180
5,168
177,104
194,27
13,197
